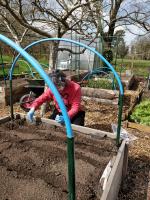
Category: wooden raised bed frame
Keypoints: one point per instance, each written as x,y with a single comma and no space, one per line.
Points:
119,166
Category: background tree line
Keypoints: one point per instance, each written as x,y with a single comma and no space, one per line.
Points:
88,18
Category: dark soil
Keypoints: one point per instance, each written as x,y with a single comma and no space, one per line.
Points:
33,162
135,185
98,116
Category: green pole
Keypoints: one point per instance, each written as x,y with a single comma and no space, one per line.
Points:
71,168
11,100
2,62
119,119
116,54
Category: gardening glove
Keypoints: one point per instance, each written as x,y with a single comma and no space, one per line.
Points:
30,115
59,119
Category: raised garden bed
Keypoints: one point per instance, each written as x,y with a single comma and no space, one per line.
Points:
33,161
18,90
140,117
140,127
141,113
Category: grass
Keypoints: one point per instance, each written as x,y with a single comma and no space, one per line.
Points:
136,63
22,66
138,67
103,83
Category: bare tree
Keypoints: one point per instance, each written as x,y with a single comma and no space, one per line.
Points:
88,18
10,25
124,13
141,47
52,18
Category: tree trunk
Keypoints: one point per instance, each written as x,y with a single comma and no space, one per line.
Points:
53,55
52,65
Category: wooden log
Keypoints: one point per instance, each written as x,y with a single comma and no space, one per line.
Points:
98,93
140,127
105,101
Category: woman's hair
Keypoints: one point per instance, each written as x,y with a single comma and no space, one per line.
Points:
58,77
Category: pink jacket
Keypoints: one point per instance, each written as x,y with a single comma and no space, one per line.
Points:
71,96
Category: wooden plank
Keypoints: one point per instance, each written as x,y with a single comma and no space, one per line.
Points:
4,119
115,178
104,179
81,129
139,127
125,161
2,95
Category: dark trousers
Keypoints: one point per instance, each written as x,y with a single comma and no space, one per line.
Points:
78,119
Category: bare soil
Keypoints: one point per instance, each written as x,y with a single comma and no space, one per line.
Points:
99,116
135,184
33,162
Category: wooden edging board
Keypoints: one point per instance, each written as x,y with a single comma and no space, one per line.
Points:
88,131
119,166
139,127
4,119
117,174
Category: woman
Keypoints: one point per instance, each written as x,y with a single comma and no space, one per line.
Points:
71,95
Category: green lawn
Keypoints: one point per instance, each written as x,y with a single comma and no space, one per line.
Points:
138,67
23,66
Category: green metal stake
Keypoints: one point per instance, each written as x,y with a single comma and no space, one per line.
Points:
119,119
2,62
11,100
71,168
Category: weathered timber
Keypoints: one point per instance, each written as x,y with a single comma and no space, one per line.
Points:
98,93
4,119
81,129
139,127
106,101
116,175
127,80
132,101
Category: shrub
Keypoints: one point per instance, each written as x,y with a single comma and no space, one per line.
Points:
100,83
141,113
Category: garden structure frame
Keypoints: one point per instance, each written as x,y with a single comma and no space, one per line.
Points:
70,136
121,92
118,166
